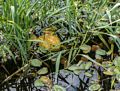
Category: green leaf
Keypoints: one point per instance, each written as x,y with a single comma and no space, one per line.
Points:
38,83
77,71
82,66
98,57
42,71
100,52
85,48
88,65
88,74
117,61
94,87
108,73
86,56
73,67
35,62
118,77
58,88
117,70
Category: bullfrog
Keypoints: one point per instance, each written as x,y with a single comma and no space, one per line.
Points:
49,40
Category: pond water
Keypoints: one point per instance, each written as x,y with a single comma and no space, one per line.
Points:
67,79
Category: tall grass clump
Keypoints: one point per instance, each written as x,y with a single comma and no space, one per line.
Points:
16,23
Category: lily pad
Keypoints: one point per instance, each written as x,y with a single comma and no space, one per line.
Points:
117,70
108,73
42,71
35,62
58,88
88,65
101,52
77,72
85,48
38,83
117,61
88,74
99,57
73,67
118,77
94,87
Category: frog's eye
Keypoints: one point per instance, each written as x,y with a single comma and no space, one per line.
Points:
37,31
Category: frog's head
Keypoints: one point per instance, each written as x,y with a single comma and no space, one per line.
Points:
50,30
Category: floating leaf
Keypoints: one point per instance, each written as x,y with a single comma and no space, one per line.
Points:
88,65
88,74
85,48
77,72
99,57
107,64
101,52
35,62
73,67
117,70
82,66
42,71
108,73
58,88
38,83
117,61
94,87
118,77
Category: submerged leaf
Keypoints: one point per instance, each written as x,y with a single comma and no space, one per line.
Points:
35,62
42,71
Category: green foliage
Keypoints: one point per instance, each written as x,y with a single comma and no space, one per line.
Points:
43,71
58,88
85,48
35,62
38,83
94,87
100,52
